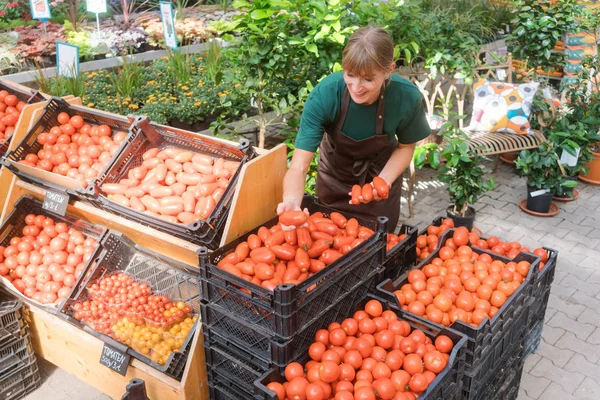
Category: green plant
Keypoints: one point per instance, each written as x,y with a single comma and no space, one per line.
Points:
132,8
127,78
542,168
214,65
464,172
181,5
179,66
575,138
538,25
60,85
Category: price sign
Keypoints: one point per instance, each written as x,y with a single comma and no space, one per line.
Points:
96,6
539,192
67,60
114,359
40,9
56,202
568,159
168,23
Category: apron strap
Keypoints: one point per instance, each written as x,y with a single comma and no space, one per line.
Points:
380,111
339,122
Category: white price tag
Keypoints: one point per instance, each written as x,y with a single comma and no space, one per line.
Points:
501,74
547,93
40,9
569,160
539,192
168,23
67,60
96,6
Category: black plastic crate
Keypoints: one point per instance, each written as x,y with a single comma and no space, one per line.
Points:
262,344
509,321
283,311
28,96
437,221
48,119
21,381
490,383
148,135
15,222
163,274
446,385
15,352
12,319
541,285
402,256
220,388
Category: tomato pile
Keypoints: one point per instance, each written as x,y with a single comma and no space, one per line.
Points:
10,111
393,240
427,243
365,193
461,285
75,149
127,310
173,184
46,261
272,257
372,355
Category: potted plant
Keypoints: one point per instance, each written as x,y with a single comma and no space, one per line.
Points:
574,140
464,173
544,174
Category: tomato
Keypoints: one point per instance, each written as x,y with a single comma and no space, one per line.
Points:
444,344
434,361
418,383
384,388
293,218
314,391
293,370
329,371
412,364
365,393
356,194
461,236
296,388
278,389
373,308
381,187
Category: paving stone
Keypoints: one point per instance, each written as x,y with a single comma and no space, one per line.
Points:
590,316
569,341
559,275
594,234
534,386
589,389
558,357
582,298
560,320
518,219
534,236
523,396
568,307
554,240
498,204
569,381
574,227
530,361
578,363
570,215
564,292
555,392
594,337
589,220
583,249
591,289
551,334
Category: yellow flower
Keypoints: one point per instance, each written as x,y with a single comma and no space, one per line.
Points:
91,105
134,106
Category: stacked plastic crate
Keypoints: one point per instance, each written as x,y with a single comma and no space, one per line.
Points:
19,374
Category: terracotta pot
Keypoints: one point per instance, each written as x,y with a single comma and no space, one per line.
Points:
593,175
509,158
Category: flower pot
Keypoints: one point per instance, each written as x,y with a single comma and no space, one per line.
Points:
509,158
567,191
466,221
540,203
593,175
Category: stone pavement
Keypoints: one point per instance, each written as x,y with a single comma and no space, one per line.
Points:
567,365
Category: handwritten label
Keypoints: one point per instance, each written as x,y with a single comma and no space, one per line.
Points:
114,359
56,202
568,159
539,192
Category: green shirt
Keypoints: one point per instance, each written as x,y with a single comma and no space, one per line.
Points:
404,115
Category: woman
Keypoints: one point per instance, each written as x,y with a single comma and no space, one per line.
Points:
366,121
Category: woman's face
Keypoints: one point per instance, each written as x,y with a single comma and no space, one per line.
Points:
364,89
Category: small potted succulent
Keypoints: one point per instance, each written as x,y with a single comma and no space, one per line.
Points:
464,173
545,177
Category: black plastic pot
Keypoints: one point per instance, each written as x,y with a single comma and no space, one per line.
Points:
540,203
567,191
466,221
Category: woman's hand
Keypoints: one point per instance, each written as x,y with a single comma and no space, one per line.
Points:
374,195
289,205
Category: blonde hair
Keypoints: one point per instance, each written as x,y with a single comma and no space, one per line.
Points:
369,48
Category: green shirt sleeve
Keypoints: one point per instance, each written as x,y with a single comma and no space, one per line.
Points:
319,112
415,127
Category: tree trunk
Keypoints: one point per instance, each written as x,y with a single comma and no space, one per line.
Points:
262,125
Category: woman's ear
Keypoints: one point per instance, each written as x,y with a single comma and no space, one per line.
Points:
392,67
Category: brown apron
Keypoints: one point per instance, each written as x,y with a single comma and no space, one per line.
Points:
344,162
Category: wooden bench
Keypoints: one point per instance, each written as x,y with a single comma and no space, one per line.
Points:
448,94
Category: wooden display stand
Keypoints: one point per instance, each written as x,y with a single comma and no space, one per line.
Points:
78,352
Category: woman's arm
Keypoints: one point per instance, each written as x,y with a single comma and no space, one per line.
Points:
294,181
398,162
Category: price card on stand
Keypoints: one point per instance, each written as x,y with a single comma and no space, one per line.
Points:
96,6
168,23
115,359
40,9
56,202
67,60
